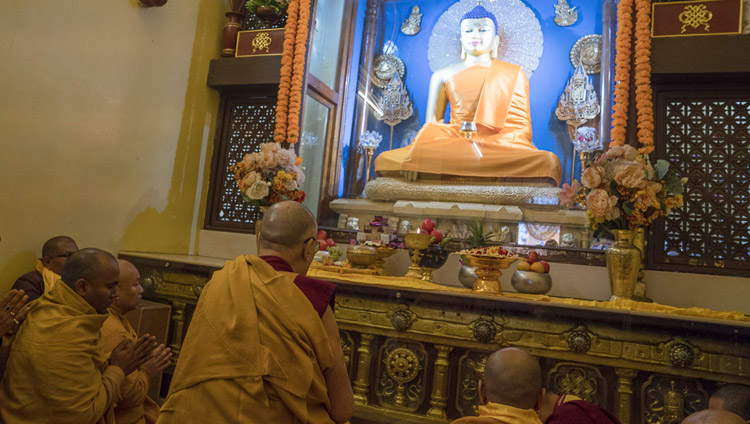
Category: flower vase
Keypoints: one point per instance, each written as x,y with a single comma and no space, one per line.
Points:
258,225
267,17
229,33
623,265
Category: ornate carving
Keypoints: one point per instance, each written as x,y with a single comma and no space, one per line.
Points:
362,382
694,16
578,339
440,376
402,377
402,318
580,380
261,42
624,395
680,352
198,287
668,400
484,329
470,370
178,321
347,346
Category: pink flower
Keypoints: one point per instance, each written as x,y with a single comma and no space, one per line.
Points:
267,159
250,160
568,193
592,176
270,147
627,151
286,157
294,169
600,203
630,175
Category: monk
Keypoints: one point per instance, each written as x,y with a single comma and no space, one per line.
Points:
57,371
13,310
570,409
494,95
55,252
733,398
274,358
510,389
135,407
713,416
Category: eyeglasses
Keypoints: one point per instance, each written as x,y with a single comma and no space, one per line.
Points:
64,255
308,239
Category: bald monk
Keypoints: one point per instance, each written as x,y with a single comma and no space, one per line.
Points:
492,94
135,407
274,358
733,398
570,409
57,371
54,254
510,389
713,416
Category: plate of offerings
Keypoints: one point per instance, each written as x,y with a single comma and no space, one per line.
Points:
489,261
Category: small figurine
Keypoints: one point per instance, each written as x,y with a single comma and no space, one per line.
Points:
412,24
564,14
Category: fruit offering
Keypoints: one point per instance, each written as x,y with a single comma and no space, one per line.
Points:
496,251
428,225
532,263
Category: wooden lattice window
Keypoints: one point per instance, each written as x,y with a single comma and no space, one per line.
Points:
705,134
246,121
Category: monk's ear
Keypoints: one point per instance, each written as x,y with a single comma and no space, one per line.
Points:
80,286
541,399
46,261
482,392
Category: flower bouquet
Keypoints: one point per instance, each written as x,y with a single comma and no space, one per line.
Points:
269,176
622,190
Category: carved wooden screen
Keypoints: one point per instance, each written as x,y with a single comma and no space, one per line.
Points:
704,133
245,122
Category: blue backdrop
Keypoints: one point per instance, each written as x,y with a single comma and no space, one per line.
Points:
546,84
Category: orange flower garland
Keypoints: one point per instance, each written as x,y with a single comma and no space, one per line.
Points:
287,56
643,94
622,72
298,71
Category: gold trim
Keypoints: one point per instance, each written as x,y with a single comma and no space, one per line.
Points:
237,44
653,7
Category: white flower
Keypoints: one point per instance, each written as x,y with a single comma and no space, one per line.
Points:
257,191
286,157
291,185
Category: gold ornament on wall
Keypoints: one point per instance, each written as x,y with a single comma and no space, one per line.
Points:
402,378
261,42
694,16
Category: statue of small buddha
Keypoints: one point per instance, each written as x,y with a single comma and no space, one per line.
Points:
489,133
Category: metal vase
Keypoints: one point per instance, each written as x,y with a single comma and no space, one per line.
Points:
623,265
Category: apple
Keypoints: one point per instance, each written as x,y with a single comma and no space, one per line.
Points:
322,245
322,235
330,242
428,225
438,236
532,257
546,265
537,267
524,266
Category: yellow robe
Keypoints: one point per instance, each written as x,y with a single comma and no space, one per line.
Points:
57,372
255,352
497,100
494,413
135,407
49,276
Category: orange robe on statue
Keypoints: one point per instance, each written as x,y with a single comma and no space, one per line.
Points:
497,100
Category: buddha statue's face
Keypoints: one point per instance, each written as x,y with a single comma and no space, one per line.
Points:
478,36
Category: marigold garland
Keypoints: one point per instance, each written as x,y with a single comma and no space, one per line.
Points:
622,72
287,57
643,94
298,71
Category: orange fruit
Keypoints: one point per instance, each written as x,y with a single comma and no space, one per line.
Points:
537,267
524,266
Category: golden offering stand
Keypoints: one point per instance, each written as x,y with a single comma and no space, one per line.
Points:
416,242
488,271
383,253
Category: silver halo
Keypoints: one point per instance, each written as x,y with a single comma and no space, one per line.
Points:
588,49
521,38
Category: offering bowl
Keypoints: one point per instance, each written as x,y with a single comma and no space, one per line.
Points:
488,271
361,256
531,282
432,258
416,242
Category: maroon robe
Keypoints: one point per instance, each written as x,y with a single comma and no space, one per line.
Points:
320,293
580,412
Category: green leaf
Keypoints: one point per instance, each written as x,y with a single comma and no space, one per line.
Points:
661,167
628,207
673,185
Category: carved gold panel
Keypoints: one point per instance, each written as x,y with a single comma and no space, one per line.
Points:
470,371
347,345
667,400
402,375
580,380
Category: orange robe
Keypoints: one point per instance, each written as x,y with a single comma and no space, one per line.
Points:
135,407
497,100
57,372
495,413
256,351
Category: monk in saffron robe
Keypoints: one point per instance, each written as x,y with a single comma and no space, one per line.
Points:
57,372
510,389
492,94
257,349
47,271
135,407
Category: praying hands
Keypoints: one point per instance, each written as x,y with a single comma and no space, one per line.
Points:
13,310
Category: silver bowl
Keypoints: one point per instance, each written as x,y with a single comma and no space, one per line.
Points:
531,282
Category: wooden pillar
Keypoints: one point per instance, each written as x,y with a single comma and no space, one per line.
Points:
439,396
178,318
362,383
624,395
354,179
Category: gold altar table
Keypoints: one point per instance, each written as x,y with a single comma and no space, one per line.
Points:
415,350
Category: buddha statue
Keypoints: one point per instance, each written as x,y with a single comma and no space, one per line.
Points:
489,99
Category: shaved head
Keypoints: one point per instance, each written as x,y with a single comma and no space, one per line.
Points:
286,225
56,252
55,245
733,398
713,416
512,377
93,274
129,288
